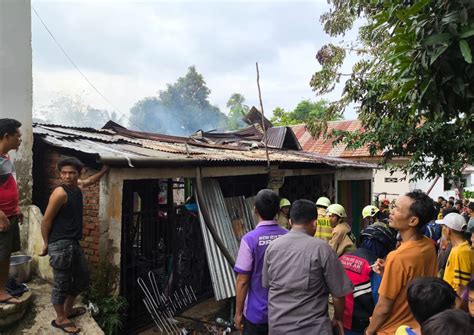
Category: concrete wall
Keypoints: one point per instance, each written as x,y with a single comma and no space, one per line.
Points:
16,83
383,181
426,184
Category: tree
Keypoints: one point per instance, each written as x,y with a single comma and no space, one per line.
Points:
181,109
237,110
73,111
413,84
305,111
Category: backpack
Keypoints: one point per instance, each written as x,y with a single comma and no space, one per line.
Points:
433,231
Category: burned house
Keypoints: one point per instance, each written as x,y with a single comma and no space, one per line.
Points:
178,206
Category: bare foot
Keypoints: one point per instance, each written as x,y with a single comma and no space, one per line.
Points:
9,299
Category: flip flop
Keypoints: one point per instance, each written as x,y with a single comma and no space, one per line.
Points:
64,326
8,301
77,311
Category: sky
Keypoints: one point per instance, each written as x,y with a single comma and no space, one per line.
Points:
130,50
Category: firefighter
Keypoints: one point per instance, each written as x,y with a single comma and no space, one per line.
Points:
342,239
371,215
283,213
323,226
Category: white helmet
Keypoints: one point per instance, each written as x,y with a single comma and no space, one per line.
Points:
323,202
337,210
369,210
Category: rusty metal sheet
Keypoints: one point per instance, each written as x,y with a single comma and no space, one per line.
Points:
107,144
222,275
240,216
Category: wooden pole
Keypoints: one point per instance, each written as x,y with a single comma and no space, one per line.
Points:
263,117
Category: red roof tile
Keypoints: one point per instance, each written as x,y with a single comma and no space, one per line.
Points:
324,146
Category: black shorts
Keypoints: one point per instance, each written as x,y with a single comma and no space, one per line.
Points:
10,240
255,328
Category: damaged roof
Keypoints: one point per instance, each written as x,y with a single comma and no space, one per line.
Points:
116,145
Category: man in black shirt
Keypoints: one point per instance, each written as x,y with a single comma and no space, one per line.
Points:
61,229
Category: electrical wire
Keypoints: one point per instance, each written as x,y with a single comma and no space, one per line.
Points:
79,70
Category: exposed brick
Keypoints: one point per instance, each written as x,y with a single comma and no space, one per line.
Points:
89,226
88,251
94,258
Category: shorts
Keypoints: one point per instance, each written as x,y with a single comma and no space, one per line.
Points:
254,328
70,271
10,240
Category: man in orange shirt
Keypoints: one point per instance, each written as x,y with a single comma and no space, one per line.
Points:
416,257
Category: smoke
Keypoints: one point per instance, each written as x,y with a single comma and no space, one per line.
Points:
151,115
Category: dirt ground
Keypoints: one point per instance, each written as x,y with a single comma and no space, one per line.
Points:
194,319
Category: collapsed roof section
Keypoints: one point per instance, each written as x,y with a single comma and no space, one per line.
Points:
117,145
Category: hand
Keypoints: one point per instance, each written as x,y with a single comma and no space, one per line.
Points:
379,266
45,251
4,223
338,325
239,325
20,218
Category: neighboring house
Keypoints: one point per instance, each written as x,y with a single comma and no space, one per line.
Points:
140,217
385,184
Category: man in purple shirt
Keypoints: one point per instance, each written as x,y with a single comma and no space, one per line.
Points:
251,313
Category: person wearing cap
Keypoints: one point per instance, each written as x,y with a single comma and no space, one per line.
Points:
323,226
282,216
341,241
460,263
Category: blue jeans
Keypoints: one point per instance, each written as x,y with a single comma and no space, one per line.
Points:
70,271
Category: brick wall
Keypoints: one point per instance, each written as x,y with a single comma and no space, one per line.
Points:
45,180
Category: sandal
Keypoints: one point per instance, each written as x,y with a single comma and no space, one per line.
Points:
9,302
64,326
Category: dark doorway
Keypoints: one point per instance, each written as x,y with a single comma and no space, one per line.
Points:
308,187
354,195
160,236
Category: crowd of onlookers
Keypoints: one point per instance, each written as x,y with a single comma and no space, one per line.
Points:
409,272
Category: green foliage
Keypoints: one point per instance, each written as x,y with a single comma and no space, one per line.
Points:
305,111
237,110
468,194
413,84
181,109
102,293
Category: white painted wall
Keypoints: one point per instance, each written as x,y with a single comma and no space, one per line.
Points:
394,188
425,184
16,83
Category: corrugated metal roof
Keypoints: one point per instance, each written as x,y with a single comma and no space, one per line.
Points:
240,216
255,116
231,218
222,275
111,147
324,146
282,137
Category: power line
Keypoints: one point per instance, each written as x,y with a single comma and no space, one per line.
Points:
79,70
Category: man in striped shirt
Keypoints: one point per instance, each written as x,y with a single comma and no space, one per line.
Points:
10,215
